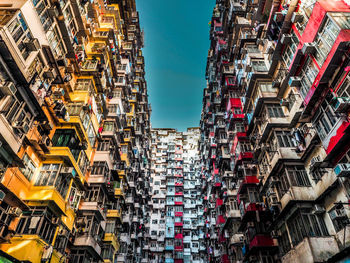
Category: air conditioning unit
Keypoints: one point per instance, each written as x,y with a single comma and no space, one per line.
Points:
62,62
294,82
2,195
276,84
68,171
64,232
286,38
49,74
250,224
15,211
70,69
55,220
284,102
315,162
5,103
21,127
274,180
53,12
32,44
273,201
342,105
270,192
248,68
275,233
45,143
297,18
8,88
279,17
337,214
318,209
308,48
342,170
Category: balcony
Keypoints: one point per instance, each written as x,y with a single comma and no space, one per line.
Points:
119,192
95,207
48,195
178,248
169,247
220,220
90,242
248,181
233,213
114,213
178,214
65,153
112,239
237,239
249,212
312,249
179,236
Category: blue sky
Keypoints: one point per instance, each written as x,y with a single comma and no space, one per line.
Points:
176,48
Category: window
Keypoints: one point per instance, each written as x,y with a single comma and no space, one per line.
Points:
338,217
252,49
237,111
108,126
298,176
292,176
155,221
83,85
231,81
178,208
100,168
29,167
325,119
308,75
239,127
325,40
303,223
274,111
67,138
49,176
290,50
37,221
285,139
120,79
91,135
284,240
55,42
305,9
122,67
259,65
20,32
178,242
267,87
344,89
117,93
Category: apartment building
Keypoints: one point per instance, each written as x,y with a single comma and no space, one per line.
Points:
274,132
176,221
75,132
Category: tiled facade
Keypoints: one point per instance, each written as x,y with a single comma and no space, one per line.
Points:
74,132
274,132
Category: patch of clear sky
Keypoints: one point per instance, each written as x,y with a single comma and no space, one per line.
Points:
176,49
